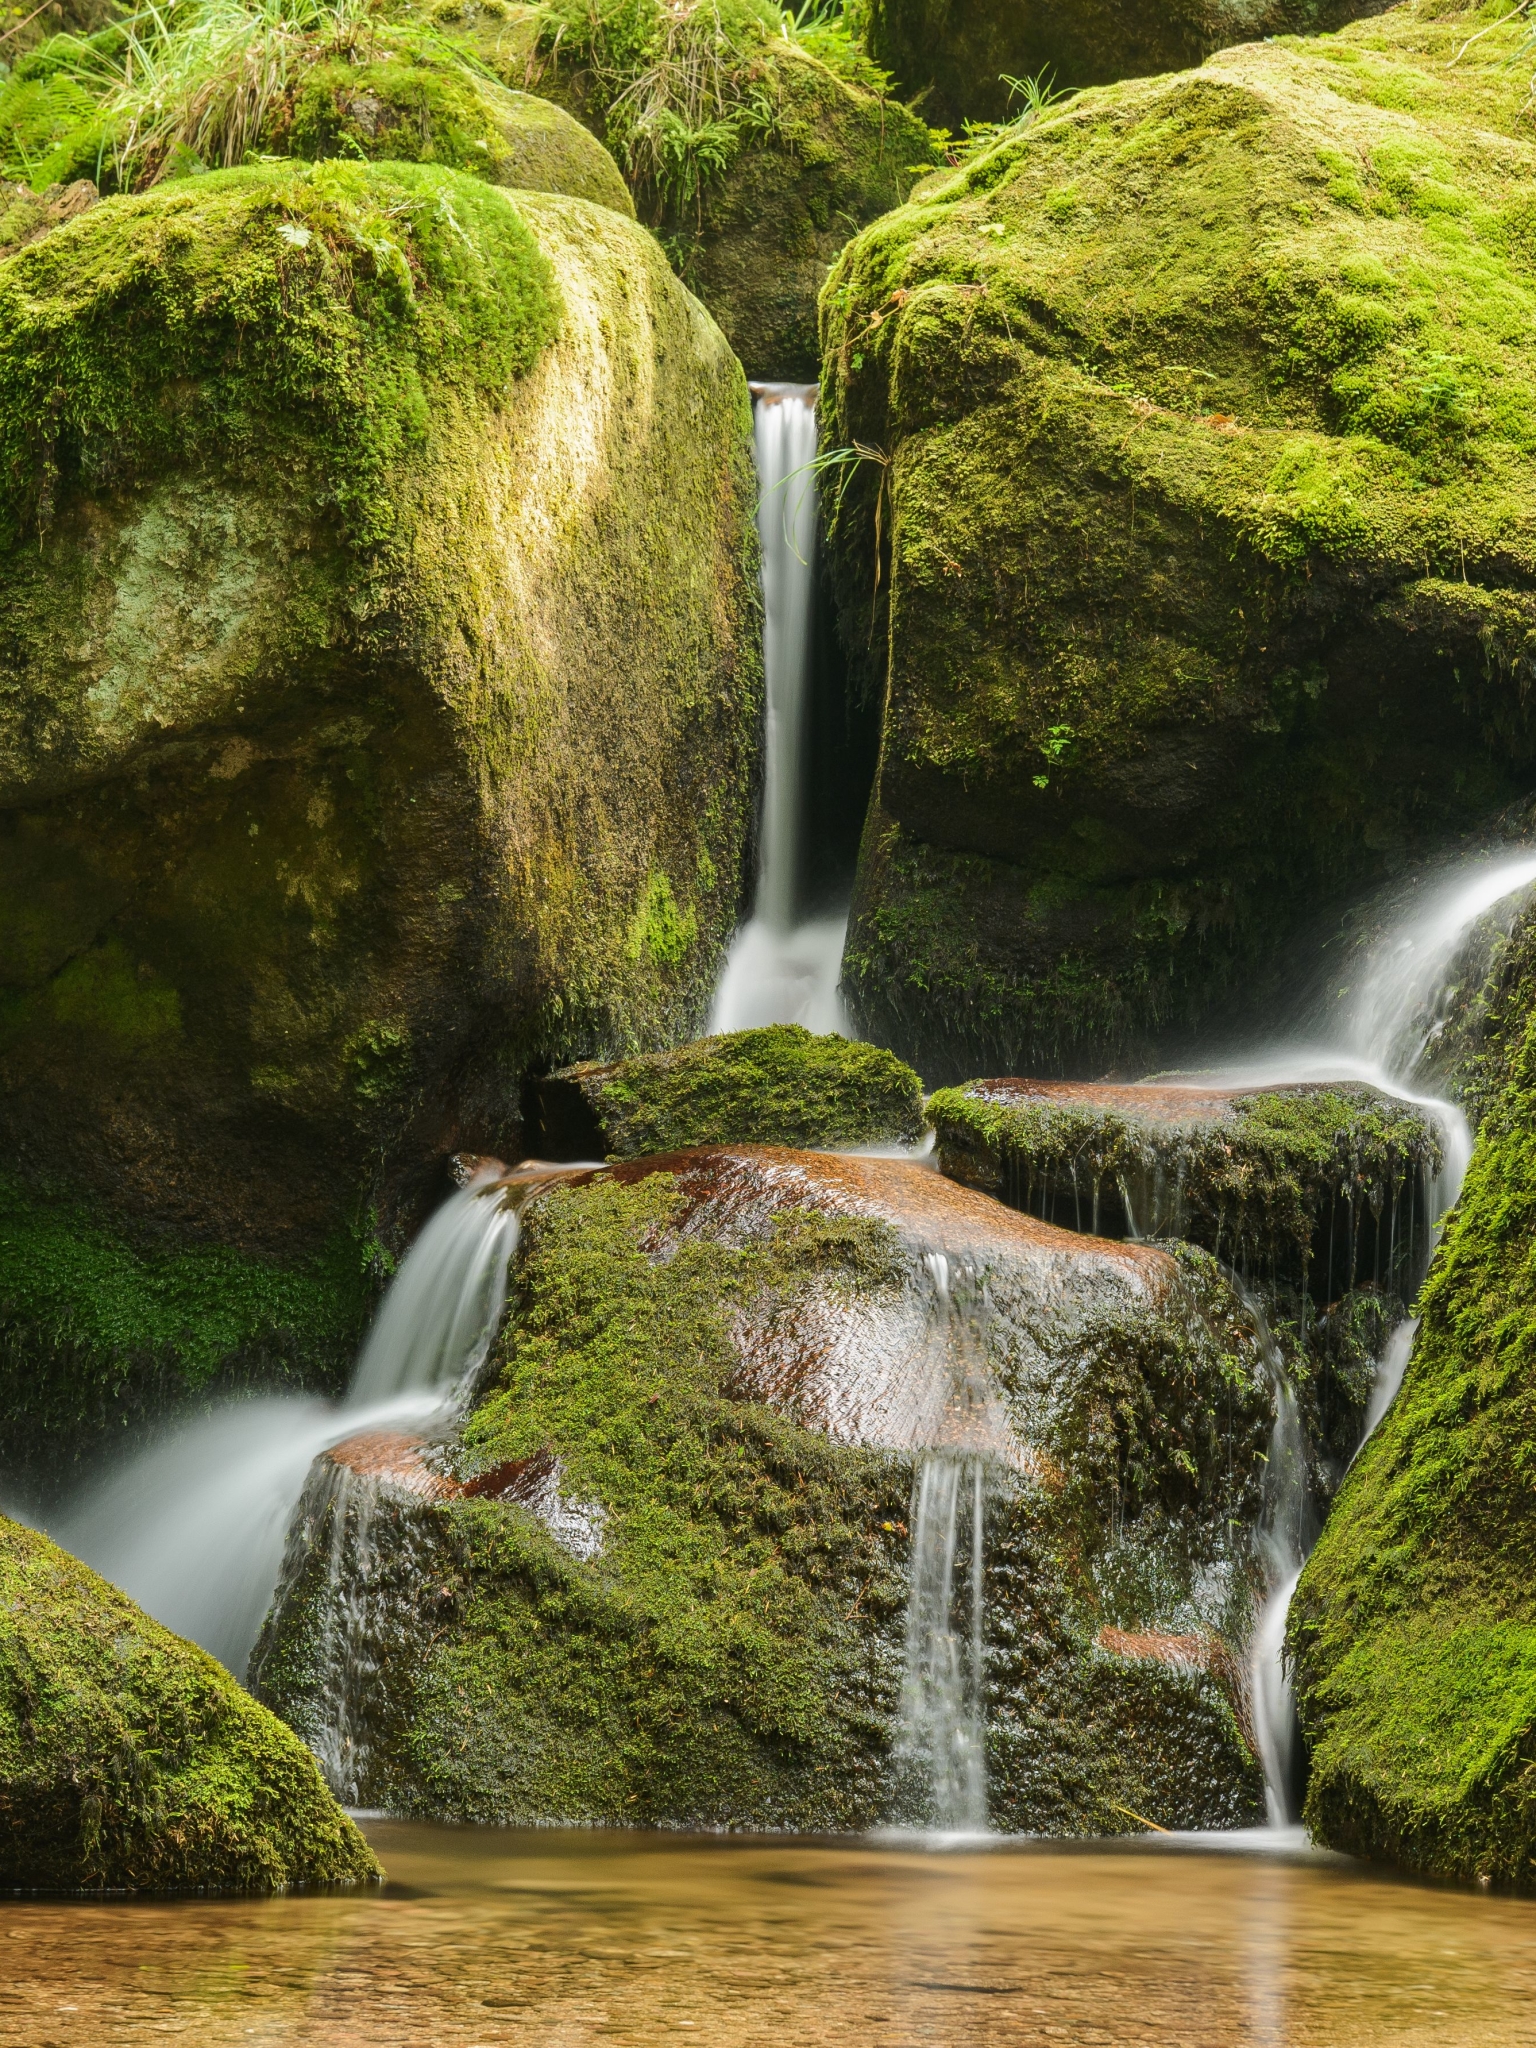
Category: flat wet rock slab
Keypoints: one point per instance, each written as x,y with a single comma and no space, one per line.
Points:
1318,1186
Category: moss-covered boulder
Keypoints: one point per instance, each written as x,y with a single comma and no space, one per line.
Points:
962,57
332,502
1191,543
782,1085
131,1761
359,90
1413,1630
665,1563
754,148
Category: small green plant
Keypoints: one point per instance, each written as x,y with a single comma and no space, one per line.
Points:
1054,748
1035,96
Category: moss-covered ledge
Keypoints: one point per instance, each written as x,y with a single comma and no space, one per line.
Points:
131,1761
1413,1630
782,1085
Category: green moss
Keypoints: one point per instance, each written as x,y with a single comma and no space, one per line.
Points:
778,1086
1169,444
304,317
1414,1627
97,1334
661,933
129,1760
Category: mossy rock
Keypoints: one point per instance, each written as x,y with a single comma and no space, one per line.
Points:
1191,550
332,499
372,92
408,107
1413,1630
665,1559
959,58
100,1334
806,146
779,1086
26,216
131,1761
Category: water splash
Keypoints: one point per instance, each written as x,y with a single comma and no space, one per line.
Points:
193,1528
778,970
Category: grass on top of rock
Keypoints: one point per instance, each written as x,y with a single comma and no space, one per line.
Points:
303,318
1413,1629
782,1085
97,1334
130,1760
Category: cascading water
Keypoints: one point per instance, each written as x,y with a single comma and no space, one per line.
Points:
780,971
194,1527
1397,1013
943,1727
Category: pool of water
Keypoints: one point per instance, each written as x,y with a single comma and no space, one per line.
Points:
488,1935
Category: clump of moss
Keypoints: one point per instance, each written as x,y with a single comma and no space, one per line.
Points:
1413,1630
1163,431
98,1335
782,1085
130,1760
298,317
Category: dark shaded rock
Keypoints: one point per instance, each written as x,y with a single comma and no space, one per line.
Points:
659,1574
962,56
779,1086
1155,550
131,1761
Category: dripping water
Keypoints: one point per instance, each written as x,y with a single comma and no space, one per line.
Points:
193,1528
783,968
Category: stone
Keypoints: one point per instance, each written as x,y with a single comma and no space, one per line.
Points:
131,1761
779,1085
1197,594
960,58
663,1561
318,829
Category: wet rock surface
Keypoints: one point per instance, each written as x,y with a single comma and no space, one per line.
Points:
659,1572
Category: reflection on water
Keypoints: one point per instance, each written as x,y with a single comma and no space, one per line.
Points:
488,1936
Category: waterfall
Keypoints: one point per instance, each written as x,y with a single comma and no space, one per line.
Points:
1397,1012
942,1732
780,970
193,1528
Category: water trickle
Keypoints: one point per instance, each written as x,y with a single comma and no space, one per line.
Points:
943,1713
193,1528
780,970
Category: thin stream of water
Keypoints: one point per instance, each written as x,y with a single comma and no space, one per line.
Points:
782,969
193,1527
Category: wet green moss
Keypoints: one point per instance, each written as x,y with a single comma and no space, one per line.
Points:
779,1086
273,317
1174,442
1413,1629
129,1760
98,1334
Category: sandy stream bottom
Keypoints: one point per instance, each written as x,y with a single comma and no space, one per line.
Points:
488,1936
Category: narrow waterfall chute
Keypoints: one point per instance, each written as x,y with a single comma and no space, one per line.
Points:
193,1527
783,967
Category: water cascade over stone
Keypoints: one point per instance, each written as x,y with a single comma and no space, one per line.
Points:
1395,1017
193,1528
781,970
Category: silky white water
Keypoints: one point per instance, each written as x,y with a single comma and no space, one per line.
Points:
193,1527
778,970
1392,1020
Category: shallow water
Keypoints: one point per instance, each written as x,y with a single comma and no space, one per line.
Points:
487,1936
